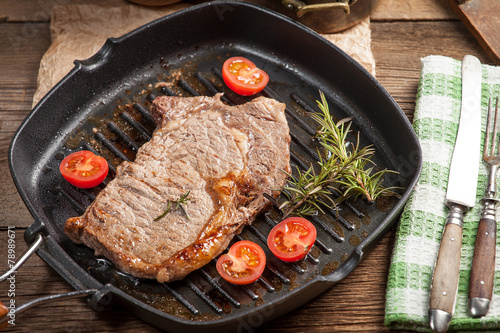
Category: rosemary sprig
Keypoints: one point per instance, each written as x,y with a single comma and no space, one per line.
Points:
346,168
307,193
365,183
178,204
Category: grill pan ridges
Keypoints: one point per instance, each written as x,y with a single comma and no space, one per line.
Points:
105,93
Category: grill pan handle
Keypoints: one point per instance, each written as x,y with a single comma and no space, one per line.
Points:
33,247
5,313
301,8
97,298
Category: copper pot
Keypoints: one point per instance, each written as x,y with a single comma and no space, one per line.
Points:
323,16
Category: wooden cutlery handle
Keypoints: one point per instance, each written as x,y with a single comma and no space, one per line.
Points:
483,262
446,273
3,316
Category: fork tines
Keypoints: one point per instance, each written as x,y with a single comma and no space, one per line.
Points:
488,130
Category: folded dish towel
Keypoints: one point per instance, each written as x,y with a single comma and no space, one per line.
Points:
437,114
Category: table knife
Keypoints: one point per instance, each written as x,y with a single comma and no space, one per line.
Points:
460,196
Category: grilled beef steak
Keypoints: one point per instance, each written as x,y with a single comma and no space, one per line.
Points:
223,157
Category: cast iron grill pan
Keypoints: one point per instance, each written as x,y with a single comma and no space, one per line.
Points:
101,105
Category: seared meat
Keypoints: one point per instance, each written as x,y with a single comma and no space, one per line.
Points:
226,157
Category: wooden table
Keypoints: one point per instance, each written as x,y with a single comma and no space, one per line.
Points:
403,31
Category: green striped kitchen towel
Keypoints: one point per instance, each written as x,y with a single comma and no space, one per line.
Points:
437,114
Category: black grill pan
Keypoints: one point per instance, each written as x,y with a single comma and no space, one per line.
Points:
101,105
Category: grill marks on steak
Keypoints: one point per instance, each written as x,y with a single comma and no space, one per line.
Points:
225,156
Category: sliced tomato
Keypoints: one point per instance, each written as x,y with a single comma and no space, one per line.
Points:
84,169
243,263
292,239
243,77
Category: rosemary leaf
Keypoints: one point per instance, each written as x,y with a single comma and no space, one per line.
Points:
165,212
178,204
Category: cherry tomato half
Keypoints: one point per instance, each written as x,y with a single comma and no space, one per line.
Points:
243,263
84,169
243,77
291,239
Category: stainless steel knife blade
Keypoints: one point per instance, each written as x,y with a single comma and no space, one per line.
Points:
460,196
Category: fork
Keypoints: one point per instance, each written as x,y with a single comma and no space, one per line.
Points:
483,262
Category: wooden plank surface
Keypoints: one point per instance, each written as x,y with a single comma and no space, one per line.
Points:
356,304
22,46
411,10
40,11
398,50
482,18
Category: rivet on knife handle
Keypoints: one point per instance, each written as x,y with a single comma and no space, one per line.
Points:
445,280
